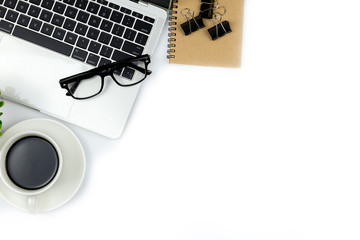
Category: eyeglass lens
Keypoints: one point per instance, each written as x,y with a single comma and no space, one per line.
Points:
86,87
131,74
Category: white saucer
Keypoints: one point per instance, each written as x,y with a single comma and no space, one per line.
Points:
72,173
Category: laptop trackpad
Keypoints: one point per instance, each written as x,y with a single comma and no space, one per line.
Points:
30,74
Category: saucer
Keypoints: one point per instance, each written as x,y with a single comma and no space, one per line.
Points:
72,173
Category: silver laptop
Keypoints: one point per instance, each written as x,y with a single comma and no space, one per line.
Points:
43,41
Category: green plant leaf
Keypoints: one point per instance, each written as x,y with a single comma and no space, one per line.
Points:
2,103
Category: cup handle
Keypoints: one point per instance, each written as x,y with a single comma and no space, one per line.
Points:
32,204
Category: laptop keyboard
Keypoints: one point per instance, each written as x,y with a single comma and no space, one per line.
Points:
95,32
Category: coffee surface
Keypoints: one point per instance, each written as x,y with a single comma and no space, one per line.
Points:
32,163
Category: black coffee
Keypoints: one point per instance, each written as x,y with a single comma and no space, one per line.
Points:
32,162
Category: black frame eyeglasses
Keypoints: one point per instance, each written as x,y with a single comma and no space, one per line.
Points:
136,69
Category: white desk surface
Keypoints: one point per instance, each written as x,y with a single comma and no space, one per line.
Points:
268,151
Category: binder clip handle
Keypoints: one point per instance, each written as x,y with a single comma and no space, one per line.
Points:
192,23
220,27
208,8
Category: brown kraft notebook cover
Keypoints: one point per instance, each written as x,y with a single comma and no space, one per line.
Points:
198,48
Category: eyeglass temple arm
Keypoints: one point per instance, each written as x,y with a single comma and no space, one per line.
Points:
77,77
140,69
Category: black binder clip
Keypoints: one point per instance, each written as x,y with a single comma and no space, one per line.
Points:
192,23
220,27
208,7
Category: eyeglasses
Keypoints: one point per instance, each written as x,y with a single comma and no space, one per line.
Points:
125,73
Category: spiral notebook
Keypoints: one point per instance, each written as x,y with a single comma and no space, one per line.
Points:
198,48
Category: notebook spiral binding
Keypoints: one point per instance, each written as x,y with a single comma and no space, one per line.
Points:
172,29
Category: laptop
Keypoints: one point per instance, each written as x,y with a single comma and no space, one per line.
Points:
43,41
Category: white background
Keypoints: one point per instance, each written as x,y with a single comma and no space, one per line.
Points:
268,151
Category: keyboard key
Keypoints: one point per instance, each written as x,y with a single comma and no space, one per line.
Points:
137,15
11,16
118,30
2,11
128,73
129,34
118,55
46,15
106,25
93,59
82,42
47,29
104,61
34,11
93,33
116,42
69,24
81,4
22,6
118,71
59,7
106,51
116,16
10,3
37,2
79,54
105,12
48,4
141,39
143,26
94,21
132,48
94,47
93,7
42,40
149,19
70,2
104,2
35,24
71,12
81,29
125,10
83,17
59,33
104,38
128,21
6,26
70,38
23,20
57,20
114,6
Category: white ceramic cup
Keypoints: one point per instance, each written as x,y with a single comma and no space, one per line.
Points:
32,195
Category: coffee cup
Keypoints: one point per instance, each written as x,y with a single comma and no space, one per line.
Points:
30,164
